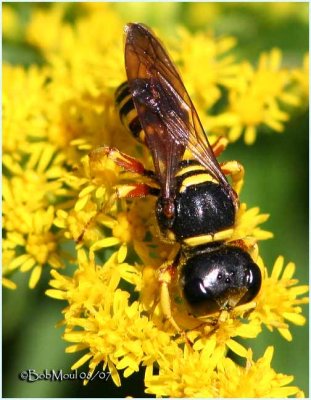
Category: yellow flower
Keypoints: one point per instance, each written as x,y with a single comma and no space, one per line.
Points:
92,57
199,374
29,243
258,98
246,225
127,227
39,244
100,318
34,183
24,118
277,301
56,30
191,375
256,380
217,67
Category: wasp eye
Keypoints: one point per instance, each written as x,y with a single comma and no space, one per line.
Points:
214,279
252,282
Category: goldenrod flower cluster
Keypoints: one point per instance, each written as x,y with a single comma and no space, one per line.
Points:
55,194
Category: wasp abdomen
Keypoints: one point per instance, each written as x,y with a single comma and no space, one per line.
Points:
127,111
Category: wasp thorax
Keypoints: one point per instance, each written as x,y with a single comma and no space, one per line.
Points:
200,209
218,279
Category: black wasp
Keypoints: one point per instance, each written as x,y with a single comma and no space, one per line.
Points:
196,206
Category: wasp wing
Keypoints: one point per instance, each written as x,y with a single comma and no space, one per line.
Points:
165,110
191,133
144,56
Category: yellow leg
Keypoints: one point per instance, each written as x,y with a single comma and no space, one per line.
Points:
236,171
166,306
220,145
123,160
165,278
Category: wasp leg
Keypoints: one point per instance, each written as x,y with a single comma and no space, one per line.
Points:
130,191
204,239
220,145
123,160
134,190
166,274
236,171
123,191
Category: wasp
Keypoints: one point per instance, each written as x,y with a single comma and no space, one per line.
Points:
195,206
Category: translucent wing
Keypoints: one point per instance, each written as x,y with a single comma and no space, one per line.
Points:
165,110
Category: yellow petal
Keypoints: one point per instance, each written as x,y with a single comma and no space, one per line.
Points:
8,283
296,319
235,133
236,348
45,158
277,269
35,276
122,252
81,360
56,294
87,190
19,261
81,203
250,135
100,192
77,347
299,290
289,271
107,242
286,334
269,354
28,265
114,374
